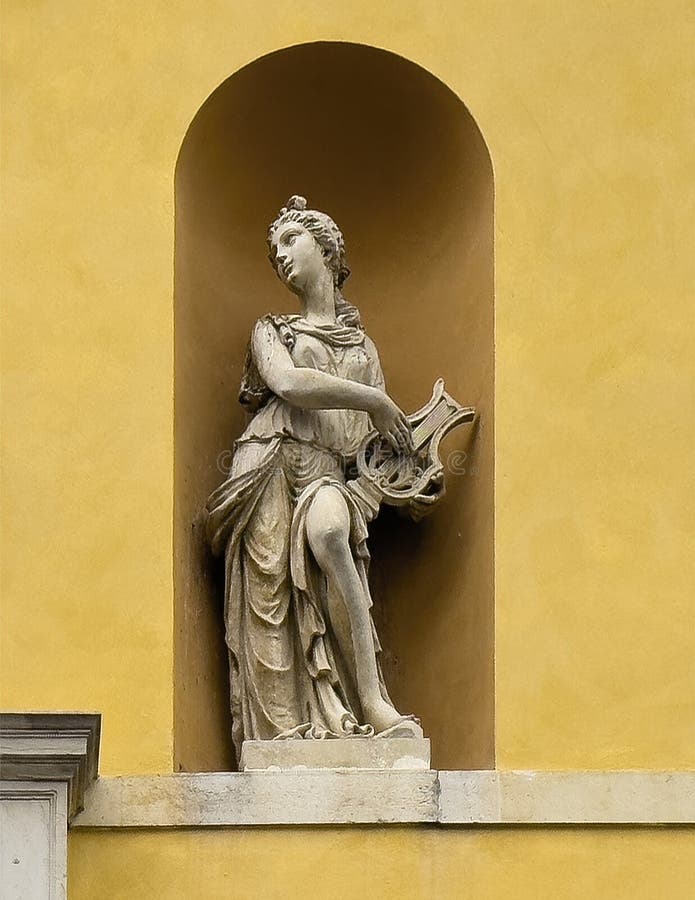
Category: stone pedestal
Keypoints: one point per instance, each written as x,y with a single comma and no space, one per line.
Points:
341,753
47,760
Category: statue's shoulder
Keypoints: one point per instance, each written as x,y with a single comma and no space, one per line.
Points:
277,326
370,346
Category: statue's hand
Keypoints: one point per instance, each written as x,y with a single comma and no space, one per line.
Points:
421,504
390,421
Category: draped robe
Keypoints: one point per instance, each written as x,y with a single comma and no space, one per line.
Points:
288,677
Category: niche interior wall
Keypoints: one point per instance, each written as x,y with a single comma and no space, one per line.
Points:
396,158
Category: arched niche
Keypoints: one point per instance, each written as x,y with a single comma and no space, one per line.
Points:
395,157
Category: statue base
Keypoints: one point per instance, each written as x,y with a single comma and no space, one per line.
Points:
402,753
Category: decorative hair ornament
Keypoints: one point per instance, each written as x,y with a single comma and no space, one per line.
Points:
295,202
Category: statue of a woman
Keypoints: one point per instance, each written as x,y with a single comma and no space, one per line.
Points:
303,651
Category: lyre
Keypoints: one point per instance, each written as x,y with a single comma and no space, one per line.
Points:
398,479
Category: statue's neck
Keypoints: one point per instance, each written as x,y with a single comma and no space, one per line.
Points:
318,301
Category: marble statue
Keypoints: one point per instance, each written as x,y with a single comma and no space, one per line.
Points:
291,519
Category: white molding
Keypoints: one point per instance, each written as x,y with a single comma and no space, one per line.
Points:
47,761
34,864
342,797
51,747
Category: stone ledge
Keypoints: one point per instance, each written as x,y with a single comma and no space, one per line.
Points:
312,797
351,797
567,798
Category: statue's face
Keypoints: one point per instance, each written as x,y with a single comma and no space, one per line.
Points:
298,257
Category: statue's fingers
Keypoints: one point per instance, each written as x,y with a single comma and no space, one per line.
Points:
409,429
394,438
406,434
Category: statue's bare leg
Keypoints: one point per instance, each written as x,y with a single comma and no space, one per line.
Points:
328,532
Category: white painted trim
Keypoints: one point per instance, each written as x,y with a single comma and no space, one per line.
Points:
51,858
346,797
39,746
49,759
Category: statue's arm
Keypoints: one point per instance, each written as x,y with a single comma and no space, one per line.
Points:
377,373
304,387
312,389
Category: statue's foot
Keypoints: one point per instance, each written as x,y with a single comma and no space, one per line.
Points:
408,727
388,722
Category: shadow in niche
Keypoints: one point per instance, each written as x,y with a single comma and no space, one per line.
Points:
394,156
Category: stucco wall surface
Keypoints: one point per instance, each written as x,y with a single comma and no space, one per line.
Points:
585,110
404,863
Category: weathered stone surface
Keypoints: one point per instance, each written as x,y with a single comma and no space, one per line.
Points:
566,798
362,797
329,797
347,753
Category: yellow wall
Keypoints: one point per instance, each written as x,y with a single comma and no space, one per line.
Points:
384,864
584,108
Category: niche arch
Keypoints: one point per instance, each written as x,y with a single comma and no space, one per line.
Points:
396,158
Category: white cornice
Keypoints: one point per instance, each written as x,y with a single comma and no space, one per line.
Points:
51,747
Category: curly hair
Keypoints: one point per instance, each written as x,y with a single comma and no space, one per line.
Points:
330,239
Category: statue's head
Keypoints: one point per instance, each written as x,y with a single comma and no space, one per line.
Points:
304,244
293,222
